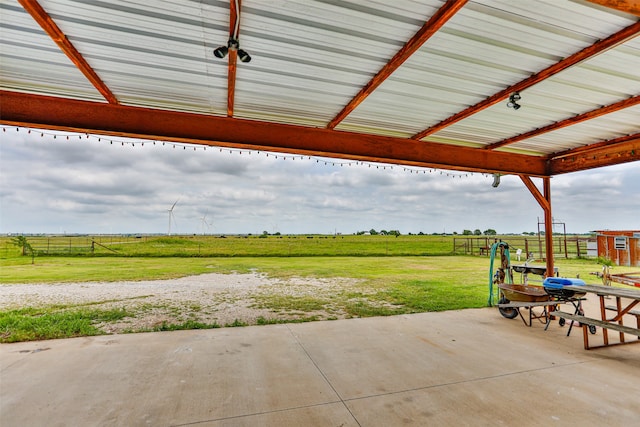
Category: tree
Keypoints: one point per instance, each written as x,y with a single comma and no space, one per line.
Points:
22,243
467,233
477,232
373,232
490,232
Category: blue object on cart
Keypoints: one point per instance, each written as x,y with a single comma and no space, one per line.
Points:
555,286
560,282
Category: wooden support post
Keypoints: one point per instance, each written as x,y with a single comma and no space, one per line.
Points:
548,225
544,200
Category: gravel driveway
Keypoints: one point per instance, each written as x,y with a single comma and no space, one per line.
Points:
224,299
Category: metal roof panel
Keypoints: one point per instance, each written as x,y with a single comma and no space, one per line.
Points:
311,57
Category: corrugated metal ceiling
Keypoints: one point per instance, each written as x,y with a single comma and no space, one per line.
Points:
311,57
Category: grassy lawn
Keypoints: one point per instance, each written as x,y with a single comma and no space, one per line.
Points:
31,324
386,285
234,246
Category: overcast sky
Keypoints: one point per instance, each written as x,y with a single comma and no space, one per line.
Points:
89,186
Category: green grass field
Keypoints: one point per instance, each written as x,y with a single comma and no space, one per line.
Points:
407,274
232,246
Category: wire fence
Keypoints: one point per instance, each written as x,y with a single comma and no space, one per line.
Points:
526,247
78,245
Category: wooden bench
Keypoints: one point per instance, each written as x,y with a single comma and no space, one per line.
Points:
635,313
586,321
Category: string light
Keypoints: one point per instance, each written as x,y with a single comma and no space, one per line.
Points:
279,156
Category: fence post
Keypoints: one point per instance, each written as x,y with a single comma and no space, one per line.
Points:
540,246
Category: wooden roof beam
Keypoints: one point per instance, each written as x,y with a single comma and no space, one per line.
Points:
606,153
595,49
234,16
625,103
449,9
56,34
38,111
628,6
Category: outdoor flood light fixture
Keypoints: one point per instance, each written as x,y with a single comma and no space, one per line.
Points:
513,100
233,43
243,56
220,52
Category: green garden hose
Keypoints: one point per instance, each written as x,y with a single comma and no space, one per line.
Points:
506,267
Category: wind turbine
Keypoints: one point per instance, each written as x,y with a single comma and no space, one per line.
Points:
171,218
205,223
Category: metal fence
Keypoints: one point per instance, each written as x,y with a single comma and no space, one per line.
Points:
77,245
524,247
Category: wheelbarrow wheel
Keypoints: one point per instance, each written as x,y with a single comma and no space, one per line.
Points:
592,329
562,321
509,313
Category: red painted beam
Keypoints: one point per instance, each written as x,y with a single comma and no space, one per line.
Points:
628,6
56,34
233,58
592,147
607,153
47,112
548,226
544,200
544,203
595,49
449,9
625,103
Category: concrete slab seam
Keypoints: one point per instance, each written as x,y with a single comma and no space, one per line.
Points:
323,374
491,377
255,414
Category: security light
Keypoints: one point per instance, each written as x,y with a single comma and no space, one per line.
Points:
220,52
513,104
244,56
232,44
513,98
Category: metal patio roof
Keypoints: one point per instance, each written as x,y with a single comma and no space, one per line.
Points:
415,82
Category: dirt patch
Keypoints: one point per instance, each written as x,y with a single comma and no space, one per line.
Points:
223,299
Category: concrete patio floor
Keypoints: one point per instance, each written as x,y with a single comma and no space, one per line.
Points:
464,368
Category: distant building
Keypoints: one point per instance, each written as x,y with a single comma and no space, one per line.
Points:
620,246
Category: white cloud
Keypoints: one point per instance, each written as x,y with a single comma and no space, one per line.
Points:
84,185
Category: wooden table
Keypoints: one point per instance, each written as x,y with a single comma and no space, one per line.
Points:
625,301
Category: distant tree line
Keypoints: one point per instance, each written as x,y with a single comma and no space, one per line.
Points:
373,232
477,232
